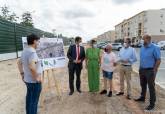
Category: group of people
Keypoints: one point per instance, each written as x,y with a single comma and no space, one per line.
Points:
96,60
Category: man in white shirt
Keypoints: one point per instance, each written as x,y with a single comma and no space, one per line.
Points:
76,56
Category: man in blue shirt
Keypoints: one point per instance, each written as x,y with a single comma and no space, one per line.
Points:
127,57
150,59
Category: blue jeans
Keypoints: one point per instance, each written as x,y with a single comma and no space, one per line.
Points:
32,97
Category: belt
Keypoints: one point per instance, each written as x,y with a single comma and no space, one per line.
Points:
146,68
126,65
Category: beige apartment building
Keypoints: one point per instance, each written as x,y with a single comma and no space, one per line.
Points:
107,36
150,22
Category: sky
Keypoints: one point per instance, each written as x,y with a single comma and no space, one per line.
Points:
85,18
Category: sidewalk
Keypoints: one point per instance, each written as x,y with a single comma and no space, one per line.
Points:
12,96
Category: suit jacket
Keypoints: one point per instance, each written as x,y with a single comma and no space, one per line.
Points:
71,54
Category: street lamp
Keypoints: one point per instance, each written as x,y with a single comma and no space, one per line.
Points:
54,32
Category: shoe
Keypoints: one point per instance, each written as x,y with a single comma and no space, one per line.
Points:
103,92
120,93
150,107
110,94
71,93
128,97
79,90
140,99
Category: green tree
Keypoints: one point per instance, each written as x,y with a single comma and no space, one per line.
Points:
5,12
7,15
13,17
27,19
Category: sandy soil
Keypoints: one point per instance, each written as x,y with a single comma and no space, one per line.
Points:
13,90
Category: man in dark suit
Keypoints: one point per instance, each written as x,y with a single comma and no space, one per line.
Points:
76,56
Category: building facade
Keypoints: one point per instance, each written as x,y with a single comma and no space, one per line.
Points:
150,22
108,36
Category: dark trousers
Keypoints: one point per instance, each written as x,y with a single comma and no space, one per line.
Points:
32,97
74,68
147,77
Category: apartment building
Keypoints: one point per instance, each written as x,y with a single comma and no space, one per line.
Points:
107,36
150,22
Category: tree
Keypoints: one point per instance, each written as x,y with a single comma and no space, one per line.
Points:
7,15
13,17
5,12
27,19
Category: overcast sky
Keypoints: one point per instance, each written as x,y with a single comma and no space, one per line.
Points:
86,18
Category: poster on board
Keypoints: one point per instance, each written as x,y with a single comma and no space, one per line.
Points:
50,51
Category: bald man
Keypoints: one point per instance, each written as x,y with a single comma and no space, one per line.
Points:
150,59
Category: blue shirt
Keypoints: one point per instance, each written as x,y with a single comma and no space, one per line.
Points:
128,54
149,55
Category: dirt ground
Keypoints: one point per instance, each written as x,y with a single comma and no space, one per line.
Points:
13,90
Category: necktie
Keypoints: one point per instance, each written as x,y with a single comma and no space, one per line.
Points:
78,52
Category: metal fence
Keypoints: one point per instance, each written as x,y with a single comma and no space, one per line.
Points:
11,37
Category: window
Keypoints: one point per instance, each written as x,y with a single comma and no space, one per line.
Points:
145,20
161,15
161,30
161,23
144,14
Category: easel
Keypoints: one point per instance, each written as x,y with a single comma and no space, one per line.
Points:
49,82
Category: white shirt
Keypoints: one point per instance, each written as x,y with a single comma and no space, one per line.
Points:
77,47
107,61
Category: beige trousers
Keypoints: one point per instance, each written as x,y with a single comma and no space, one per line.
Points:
125,74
